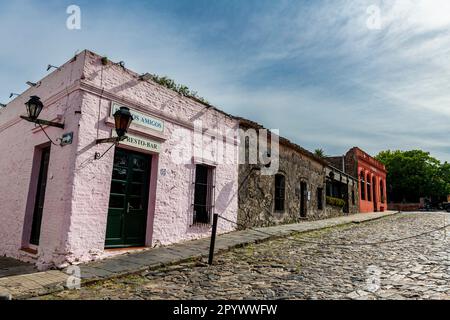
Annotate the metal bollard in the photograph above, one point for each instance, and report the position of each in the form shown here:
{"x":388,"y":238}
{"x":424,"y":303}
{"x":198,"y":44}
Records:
{"x":213,"y":239}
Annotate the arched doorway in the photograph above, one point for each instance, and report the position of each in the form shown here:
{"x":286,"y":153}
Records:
{"x":374,"y":188}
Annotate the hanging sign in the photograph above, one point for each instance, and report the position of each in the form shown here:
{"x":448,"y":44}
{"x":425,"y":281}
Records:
{"x":139,"y":142}
{"x":141,"y":119}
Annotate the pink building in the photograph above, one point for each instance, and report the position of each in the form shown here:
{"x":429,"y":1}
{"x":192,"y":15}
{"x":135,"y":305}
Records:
{"x":60,"y":205}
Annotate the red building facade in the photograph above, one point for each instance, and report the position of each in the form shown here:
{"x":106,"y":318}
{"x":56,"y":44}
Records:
{"x":372,"y":182}
{"x":371,"y":175}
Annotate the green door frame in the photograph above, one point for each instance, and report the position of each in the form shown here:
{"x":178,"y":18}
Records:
{"x":127,"y":224}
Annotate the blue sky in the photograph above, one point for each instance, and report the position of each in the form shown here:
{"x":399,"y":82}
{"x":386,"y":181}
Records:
{"x":312,"y":69}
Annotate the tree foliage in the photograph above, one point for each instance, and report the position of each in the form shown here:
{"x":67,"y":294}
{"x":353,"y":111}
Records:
{"x":320,"y":153}
{"x":181,"y":89}
{"x":414,"y":174}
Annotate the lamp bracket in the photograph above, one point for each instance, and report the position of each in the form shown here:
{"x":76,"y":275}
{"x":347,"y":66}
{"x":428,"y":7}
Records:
{"x":114,"y":141}
{"x":44,"y":122}
{"x":111,"y":140}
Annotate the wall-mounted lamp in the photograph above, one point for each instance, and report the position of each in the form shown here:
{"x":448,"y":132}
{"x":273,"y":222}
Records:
{"x":32,"y":84}
{"x":52,"y":66}
{"x":122,"y":122}
{"x":145,"y":77}
{"x":34,"y":107}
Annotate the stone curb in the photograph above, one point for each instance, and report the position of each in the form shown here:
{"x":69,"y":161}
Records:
{"x":38,"y":284}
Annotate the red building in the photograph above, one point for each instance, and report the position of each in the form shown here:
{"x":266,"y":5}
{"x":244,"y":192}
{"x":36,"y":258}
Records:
{"x":371,"y":175}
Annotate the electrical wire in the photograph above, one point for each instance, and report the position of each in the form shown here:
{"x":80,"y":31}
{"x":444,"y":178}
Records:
{"x":40,"y":126}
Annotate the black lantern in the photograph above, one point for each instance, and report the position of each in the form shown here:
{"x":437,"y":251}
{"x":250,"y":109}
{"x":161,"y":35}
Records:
{"x":34,"y":107}
{"x":122,"y":119}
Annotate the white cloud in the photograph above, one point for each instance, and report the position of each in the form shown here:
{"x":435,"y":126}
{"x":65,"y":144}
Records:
{"x":341,"y":85}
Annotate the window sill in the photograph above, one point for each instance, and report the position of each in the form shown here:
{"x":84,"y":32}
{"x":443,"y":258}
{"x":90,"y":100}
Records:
{"x":201,"y":225}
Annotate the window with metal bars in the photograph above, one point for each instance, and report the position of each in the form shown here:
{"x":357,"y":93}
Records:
{"x":362,"y":190}
{"x":203,"y":194}
{"x":320,"y":198}
{"x":280,"y":186}
{"x":329,"y":188}
{"x":369,"y":193}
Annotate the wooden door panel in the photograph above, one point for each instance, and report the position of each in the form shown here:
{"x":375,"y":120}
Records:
{"x":127,"y":214}
{"x":40,"y":197}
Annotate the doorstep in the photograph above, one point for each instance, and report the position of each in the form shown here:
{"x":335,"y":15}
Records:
{"x":41,"y":283}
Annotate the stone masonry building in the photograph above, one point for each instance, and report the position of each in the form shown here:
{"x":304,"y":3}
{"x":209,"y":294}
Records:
{"x":296,"y":192}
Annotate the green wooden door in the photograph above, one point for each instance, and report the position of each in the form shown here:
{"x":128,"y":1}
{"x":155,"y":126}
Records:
{"x":40,"y":197}
{"x":128,"y":204}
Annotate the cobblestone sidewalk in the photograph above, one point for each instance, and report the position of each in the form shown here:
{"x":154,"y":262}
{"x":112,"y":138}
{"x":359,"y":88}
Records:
{"x":35,"y":284}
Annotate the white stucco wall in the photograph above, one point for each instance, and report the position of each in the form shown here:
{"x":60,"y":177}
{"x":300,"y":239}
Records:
{"x":77,"y":197}
{"x":18,"y":139}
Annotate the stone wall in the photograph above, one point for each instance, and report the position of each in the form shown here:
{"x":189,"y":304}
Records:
{"x":257,"y":191}
{"x":350,"y":163}
{"x":336,"y":161}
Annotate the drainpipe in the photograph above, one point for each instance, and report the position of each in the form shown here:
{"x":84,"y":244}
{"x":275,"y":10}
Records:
{"x":343,"y":164}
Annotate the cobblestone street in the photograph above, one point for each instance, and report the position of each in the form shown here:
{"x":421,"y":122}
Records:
{"x":289,"y":268}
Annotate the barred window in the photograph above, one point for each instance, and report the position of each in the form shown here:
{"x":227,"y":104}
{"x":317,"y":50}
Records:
{"x":280,"y":189}
{"x":203,"y":194}
{"x":329,"y":188}
{"x":320,"y":198}
{"x":363,"y":186}
{"x":369,"y":194}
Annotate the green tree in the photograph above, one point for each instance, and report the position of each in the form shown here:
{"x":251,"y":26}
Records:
{"x":320,"y":153}
{"x":414,"y":174}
